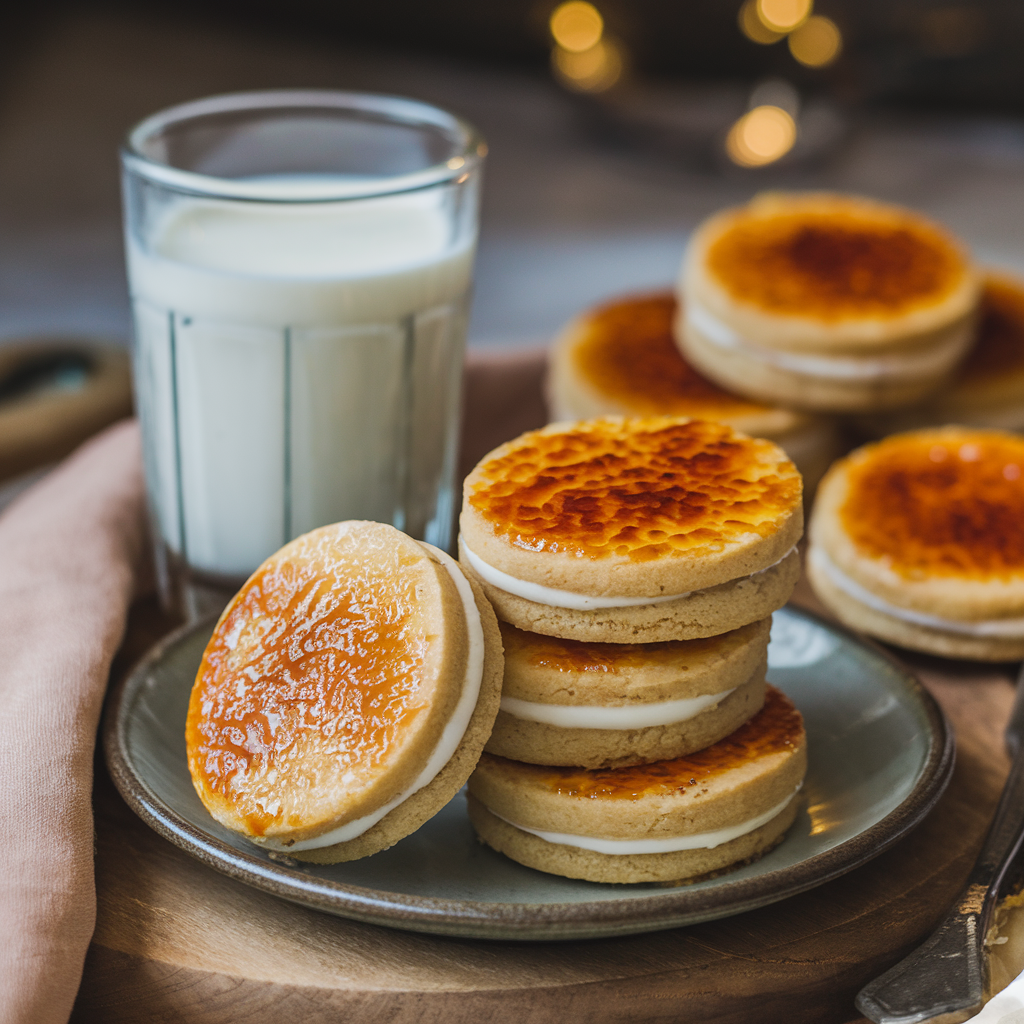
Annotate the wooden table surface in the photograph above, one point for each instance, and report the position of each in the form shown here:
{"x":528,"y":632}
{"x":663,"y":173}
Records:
{"x":175,"y":941}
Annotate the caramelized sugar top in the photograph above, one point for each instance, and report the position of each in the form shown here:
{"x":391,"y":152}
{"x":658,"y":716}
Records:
{"x":1000,"y":345}
{"x":940,"y":504}
{"x":311,"y":679}
{"x":574,"y":656}
{"x":834,"y":266}
{"x":628,"y":353}
{"x":776,"y":728}
{"x":641,"y":489}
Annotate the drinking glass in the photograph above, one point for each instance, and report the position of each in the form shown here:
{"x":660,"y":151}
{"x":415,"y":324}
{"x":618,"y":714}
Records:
{"x":299,"y":265}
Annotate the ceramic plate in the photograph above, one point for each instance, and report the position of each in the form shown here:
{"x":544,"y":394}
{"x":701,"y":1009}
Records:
{"x":880,"y":756}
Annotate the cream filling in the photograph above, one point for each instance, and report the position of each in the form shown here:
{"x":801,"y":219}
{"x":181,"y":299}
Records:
{"x":540,"y":594}
{"x":1011,"y":629}
{"x":450,"y":739}
{"x":592,"y":716}
{"x":936,"y":359}
{"x":671,"y":844}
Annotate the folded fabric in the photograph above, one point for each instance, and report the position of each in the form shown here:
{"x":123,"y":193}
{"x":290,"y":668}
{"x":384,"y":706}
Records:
{"x":70,"y":551}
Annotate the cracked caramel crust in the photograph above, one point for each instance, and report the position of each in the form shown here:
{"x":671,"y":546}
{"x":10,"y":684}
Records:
{"x":834,"y":260}
{"x":633,"y":507}
{"x":939,"y":503}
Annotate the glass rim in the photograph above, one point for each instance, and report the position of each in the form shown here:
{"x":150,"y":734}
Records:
{"x":470,"y":145}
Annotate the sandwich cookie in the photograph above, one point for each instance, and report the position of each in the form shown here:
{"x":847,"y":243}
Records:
{"x":919,"y":540}
{"x":633,"y":530}
{"x":608,"y":705}
{"x":621,"y":358}
{"x":668,"y":821}
{"x":825,"y":302}
{"x":988,"y":388}
{"x":345,"y":695}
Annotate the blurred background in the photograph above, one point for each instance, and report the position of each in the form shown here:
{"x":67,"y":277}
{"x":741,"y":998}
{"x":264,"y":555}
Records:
{"x":614,"y":126}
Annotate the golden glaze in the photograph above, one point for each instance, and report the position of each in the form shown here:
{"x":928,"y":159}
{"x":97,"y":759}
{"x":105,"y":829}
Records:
{"x":833,"y":266}
{"x":776,"y":728}
{"x":313,"y":675}
{"x":641,"y":489}
{"x":628,"y":354}
{"x":940,"y":504}
{"x":574,"y":656}
{"x":1000,"y":345}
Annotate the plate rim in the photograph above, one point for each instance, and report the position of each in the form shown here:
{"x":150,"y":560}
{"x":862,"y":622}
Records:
{"x":524,"y":921}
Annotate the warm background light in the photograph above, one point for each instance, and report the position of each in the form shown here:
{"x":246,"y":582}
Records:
{"x":783,"y":15}
{"x":576,"y":26}
{"x":753,"y":27}
{"x":761,"y":136}
{"x":592,"y":70}
{"x":817,"y":42}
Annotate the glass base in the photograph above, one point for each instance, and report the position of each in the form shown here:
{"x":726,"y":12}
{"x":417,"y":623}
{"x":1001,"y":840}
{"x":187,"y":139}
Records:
{"x":191,"y":593}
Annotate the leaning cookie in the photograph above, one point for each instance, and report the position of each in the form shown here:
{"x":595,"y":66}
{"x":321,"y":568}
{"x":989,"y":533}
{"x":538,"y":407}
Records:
{"x":609,"y":705}
{"x":633,"y":530}
{"x":919,"y":540}
{"x":662,"y":822}
{"x":345,"y":695}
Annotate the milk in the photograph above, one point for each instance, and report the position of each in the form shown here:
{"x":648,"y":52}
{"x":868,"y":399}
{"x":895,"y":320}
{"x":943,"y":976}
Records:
{"x":298,"y":364}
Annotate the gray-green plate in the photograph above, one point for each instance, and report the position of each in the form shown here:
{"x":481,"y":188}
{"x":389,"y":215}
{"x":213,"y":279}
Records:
{"x":880,"y":752}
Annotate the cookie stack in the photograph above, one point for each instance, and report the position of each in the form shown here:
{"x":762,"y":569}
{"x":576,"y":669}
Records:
{"x":634,"y":565}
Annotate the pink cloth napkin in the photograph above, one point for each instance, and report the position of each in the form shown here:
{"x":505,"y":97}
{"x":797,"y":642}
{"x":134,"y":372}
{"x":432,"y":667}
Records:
{"x":70,"y":548}
{"x":72,"y":552}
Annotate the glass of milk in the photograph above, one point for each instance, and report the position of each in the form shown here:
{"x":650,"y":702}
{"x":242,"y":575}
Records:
{"x":299,"y":265}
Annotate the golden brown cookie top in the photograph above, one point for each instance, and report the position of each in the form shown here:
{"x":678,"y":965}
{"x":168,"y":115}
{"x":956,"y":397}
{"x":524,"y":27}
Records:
{"x":1000,"y":345}
{"x":637,"y":489}
{"x":627,"y":352}
{"x":326,"y":683}
{"x":777,"y":728}
{"x":832,"y":258}
{"x":944,"y":502}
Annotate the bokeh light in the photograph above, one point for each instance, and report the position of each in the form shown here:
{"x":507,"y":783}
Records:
{"x":754,"y":28}
{"x":576,"y":26}
{"x":593,"y":70}
{"x":817,"y":42}
{"x":783,"y":15}
{"x":761,"y":136}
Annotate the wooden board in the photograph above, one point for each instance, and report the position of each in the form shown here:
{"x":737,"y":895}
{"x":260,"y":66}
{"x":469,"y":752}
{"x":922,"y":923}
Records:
{"x":175,"y":941}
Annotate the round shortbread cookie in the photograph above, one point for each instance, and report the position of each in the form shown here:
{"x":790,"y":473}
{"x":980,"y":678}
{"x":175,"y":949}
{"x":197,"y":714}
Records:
{"x":348,"y":688}
{"x":540,"y":743}
{"x":621,"y":358}
{"x":681,"y":866}
{"x":603,"y":705}
{"x":826,"y":302}
{"x":919,"y":539}
{"x":700,"y":614}
{"x":698,"y":803}
{"x":613,"y":512}
{"x":551,"y":670}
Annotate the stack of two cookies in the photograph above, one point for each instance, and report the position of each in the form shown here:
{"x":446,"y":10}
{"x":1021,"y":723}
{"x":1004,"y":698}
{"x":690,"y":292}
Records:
{"x":634,"y":566}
